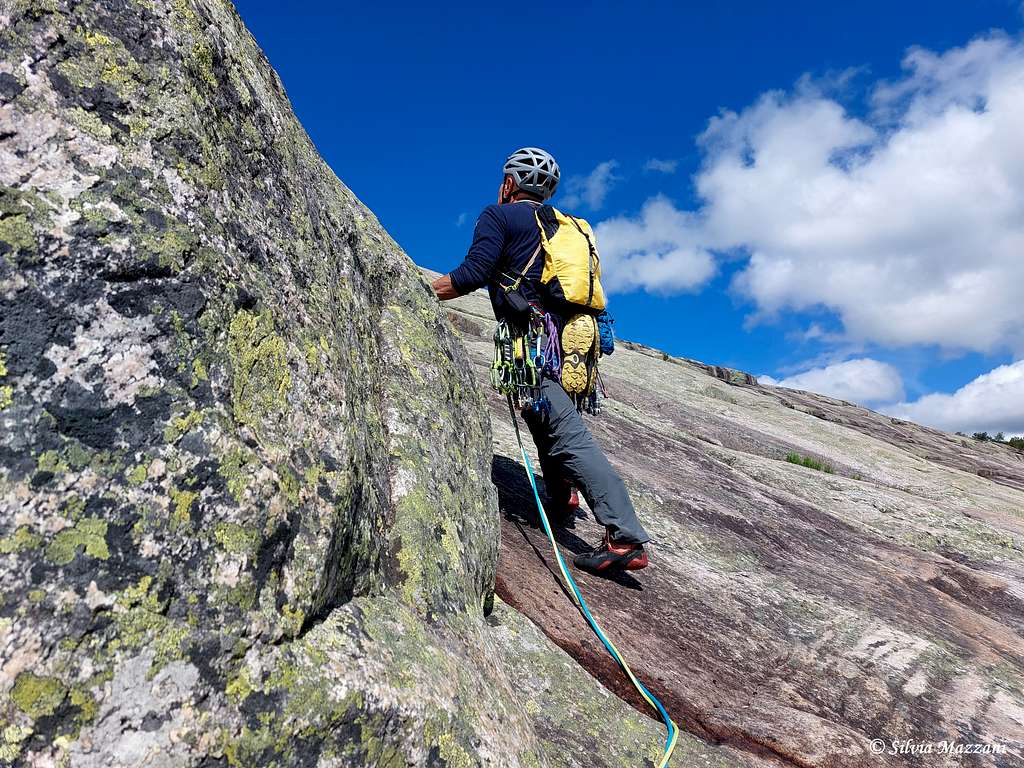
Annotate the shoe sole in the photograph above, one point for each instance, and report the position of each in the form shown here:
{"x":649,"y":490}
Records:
{"x":577,"y":341}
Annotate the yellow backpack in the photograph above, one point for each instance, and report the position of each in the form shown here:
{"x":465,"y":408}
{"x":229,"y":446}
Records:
{"x":572,"y":266}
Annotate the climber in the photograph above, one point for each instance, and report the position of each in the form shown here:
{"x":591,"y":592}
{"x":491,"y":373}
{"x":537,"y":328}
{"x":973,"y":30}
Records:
{"x":505,"y":240}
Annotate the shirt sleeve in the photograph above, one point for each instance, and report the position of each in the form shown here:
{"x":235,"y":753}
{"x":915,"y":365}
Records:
{"x":479,"y":266}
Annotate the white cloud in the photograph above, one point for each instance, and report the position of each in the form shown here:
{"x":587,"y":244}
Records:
{"x":993,"y":402}
{"x":661,"y":166}
{"x":860,"y":381}
{"x":907,"y":223}
{"x":656,"y":251}
{"x":591,"y":189}
{"x":461,"y":219}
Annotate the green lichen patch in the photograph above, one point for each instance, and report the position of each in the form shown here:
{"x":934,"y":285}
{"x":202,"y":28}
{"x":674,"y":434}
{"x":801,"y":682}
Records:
{"x":290,"y":486}
{"x":13,"y":737}
{"x":37,"y":696}
{"x":6,"y":390}
{"x":430,"y":552}
{"x":90,"y":123}
{"x":239,"y":687}
{"x":89,"y":535}
{"x":74,"y":507}
{"x":86,"y":704}
{"x":137,"y":476}
{"x":51,"y":461}
{"x":233,"y":468}
{"x":182,"y":425}
{"x":171,"y":246}
{"x":261,"y":378}
{"x":199,"y":372}
{"x":141,"y":621}
{"x":16,"y":232}
{"x":181,"y":505}
{"x":237,"y":539}
{"x":104,"y":60}
{"x":440,"y":735}
{"x":22,"y":215}
{"x":22,"y":540}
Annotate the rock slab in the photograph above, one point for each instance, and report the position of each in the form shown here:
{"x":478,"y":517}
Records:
{"x":790,"y":614}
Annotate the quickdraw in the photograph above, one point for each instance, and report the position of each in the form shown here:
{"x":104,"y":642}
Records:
{"x":522,"y":358}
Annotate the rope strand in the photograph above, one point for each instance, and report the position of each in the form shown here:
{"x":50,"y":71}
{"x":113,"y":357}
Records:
{"x":672,"y":731}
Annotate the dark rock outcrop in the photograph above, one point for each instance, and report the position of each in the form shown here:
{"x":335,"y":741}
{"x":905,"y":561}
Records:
{"x":246,"y":515}
{"x":791,"y":614}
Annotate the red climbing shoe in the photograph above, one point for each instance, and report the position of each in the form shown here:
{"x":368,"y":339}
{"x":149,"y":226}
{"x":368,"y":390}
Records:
{"x":613,"y":555}
{"x":573,"y":503}
{"x":563,"y":502}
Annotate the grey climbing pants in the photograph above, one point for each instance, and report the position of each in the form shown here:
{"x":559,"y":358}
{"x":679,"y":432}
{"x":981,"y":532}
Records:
{"x":569,"y":453}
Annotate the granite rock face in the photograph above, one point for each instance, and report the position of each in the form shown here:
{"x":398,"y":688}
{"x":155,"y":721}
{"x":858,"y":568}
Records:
{"x":246,"y":514}
{"x":789,"y":614}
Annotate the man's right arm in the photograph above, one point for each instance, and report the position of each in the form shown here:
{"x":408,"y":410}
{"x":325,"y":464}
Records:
{"x":478,"y":268}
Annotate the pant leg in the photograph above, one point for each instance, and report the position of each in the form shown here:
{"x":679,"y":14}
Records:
{"x":556,"y":484}
{"x":569,"y":445}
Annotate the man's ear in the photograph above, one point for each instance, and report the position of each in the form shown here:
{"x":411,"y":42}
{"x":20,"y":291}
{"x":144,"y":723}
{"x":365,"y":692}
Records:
{"x":508,"y":188}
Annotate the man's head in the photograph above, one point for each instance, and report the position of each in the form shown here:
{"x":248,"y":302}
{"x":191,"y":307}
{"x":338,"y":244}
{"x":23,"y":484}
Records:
{"x":529,"y":172}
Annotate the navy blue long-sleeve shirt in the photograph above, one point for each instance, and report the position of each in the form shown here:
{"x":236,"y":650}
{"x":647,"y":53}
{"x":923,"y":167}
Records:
{"x":504,"y":239}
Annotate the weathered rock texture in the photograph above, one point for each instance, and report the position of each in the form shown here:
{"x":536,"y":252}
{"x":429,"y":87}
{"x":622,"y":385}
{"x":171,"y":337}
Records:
{"x":247,"y":515}
{"x":792,"y":614}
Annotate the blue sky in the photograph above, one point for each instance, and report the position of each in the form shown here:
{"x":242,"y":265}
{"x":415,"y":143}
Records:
{"x":416,"y":107}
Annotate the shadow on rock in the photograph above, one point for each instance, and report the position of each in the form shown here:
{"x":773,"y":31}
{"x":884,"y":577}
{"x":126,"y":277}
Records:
{"x":518,"y":507}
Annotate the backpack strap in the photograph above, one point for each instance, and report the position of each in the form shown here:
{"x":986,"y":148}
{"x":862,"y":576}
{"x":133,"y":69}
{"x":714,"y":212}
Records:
{"x":517,"y":280}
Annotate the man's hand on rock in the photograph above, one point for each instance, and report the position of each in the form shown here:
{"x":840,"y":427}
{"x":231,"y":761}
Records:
{"x":443,"y":288}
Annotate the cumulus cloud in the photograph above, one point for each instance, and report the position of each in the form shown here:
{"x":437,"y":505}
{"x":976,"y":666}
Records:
{"x":655,"y":251}
{"x":907,"y":222}
{"x":592,"y":189}
{"x":993,"y":402}
{"x":661,"y":166}
{"x":909,"y":226}
{"x":862,"y":381}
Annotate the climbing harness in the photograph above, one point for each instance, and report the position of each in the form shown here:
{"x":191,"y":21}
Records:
{"x":672,"y":732}
{"x":522,"y":357}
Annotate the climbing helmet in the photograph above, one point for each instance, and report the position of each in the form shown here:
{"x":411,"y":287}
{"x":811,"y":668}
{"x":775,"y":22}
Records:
{"x":533,"y":170}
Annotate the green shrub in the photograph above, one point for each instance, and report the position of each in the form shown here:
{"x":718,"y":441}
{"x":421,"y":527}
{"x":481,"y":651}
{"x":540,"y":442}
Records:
{"x":810,"y":463}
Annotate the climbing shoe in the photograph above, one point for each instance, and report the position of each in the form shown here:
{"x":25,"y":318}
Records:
{"x":574,"y":500}
{"x":563,"y":502}
{"x":612,"y":555}
{"x":578,"y":339}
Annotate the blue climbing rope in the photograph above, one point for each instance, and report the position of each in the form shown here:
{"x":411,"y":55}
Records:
{"x":671,"y":730}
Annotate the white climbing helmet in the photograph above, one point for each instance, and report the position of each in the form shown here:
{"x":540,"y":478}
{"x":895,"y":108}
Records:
{"x":534,"y":171}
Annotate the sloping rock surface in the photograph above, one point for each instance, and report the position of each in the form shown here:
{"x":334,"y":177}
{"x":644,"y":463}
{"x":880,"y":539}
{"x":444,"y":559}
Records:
{"x":792,"y":614}
{"x":246,"y":514}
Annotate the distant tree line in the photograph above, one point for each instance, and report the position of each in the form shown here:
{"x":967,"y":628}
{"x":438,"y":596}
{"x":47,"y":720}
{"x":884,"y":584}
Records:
{"x":998,"y":437}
